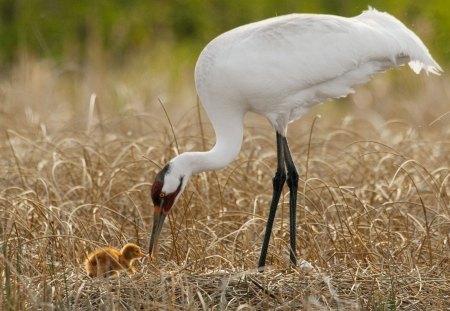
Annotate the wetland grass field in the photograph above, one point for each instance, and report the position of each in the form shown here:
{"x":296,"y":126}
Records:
{"x":76,"y":170}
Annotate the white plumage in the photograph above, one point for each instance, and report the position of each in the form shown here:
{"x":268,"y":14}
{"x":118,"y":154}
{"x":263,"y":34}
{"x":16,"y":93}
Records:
{"x":279,"y":68}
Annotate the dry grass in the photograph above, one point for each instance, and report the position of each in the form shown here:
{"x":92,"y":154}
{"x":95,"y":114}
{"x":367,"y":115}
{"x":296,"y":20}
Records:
{"x":373,"y":219}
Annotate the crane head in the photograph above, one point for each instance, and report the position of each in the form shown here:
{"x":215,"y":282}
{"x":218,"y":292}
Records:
{"x":164,"y":192}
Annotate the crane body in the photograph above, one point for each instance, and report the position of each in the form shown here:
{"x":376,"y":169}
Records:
{"x":279,"y":68}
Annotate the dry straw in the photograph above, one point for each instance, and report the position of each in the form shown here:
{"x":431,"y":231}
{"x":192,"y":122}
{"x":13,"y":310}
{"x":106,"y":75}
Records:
{"x":373,"y":220}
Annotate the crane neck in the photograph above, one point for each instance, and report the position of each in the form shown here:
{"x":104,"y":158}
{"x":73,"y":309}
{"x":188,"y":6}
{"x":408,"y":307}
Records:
{"x":229,"y":135}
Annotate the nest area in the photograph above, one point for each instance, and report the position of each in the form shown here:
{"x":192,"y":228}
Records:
{"x":251,"y":290}
{"x":373,"y":216}
{"x":373,"y":222}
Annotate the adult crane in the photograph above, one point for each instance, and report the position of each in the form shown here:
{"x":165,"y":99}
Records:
{"x":279,"y":68}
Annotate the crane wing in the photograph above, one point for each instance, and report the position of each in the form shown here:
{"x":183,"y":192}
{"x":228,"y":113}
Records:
{"x":281,"y":66}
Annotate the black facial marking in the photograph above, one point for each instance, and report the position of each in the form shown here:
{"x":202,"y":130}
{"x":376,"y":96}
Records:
{"x":158,"y":185}
{"x":156,"y":190}
{"x":164,"y":200}
{"x":170,"y":198}
{"x":160,"y":176}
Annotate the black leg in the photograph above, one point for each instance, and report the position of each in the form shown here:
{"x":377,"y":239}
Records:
{"x":292,"y":182}
{"x":278,"y":182}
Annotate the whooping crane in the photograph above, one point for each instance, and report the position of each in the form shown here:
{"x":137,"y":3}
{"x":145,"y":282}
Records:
{"x":279,"y":68}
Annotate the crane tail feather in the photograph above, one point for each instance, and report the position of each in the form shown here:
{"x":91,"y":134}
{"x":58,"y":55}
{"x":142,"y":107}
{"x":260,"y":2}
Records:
{"x":402,"y":41}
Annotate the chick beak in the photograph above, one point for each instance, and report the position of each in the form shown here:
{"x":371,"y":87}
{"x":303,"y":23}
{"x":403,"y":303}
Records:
{"x":158,"y":222}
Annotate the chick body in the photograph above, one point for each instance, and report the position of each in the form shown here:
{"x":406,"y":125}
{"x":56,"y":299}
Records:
{"x":108,"y":261}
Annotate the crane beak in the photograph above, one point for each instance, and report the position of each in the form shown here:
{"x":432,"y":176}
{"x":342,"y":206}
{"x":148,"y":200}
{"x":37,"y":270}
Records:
{"x":158,"y":222}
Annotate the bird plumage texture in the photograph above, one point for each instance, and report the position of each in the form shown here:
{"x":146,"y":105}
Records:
{"x":109,"y":261}
{"x":279,"y":68}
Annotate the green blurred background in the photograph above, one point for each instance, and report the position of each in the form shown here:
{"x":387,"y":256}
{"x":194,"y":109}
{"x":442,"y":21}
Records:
{"x":55,"y":54}
{"x":70,"y":30}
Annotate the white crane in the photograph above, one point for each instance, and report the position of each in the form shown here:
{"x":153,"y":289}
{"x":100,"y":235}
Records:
{"x":279,"y":68}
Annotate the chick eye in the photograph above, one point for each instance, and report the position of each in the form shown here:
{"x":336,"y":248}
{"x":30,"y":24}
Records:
{"x":162,"y":195}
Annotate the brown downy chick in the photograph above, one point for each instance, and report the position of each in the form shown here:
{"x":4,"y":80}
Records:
{"x":109,"y":261}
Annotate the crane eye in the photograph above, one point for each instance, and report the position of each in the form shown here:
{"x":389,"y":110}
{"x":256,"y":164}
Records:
{"x":162,"y":195}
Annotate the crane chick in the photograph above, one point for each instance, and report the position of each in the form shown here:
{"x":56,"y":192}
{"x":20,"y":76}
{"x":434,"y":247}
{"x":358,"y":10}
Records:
{"x":108,"y":261}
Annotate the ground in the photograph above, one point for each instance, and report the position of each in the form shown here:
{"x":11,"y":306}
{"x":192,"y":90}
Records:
{"x":373,"y":209}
